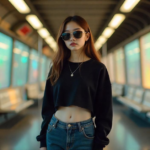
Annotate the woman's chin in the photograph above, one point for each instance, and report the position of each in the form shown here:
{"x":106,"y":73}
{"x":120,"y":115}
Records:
{"x":74,"y":48}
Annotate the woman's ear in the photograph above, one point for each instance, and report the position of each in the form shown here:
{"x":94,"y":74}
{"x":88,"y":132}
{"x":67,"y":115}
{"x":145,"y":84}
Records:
{"x":87,"y":36}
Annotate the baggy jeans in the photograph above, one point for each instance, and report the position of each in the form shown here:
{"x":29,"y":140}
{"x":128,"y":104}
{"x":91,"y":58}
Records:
{"x":70,"y":136}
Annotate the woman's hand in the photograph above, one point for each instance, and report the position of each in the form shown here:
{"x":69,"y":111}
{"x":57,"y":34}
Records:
{"x":43,"y":148}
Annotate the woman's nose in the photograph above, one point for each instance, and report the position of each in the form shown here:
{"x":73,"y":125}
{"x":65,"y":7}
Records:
{"x":72,"y":37}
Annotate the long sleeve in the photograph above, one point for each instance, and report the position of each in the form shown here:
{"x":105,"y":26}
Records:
{"x":47,"y":111}
{"x":103,"y":110}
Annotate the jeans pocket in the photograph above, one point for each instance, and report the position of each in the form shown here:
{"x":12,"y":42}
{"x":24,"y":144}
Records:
{"x":49,"y":128}
{"x":89,"y":131}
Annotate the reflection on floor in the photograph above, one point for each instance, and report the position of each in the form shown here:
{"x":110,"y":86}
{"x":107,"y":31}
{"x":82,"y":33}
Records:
{"x":128,"y":132}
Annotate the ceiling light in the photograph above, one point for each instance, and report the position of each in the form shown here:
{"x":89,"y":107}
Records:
{"x":53,"y":46}
{"x":116,"y":20}
{"x":98,"y":46}
{"x":34,"y":21}
{"x":20,"y":5}
{"x":43,"y":32}
{"x":128,"y":5}
{"x":101,"y":40}
{"x":49,"y":39}
{"x":108,"y":32}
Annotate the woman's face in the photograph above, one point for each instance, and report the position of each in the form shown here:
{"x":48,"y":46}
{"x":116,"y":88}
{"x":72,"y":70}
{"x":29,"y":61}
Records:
{"x":71,"y":27}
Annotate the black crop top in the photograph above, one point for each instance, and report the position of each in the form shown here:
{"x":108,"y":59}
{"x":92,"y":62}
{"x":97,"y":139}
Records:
{"x":89,"y":88}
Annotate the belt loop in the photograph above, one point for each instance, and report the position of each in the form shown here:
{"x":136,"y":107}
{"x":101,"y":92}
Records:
{"x":55,"y":122}
{"x":79,"y":125}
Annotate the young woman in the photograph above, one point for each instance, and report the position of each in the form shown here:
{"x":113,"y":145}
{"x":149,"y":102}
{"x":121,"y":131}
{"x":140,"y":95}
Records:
{"x":78,"y":88}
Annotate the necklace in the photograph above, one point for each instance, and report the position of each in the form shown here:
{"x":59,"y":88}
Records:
{"x":75,"y":70}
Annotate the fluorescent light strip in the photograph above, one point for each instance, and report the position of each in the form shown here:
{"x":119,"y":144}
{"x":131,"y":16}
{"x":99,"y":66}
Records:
{"x":128,"y":5}
{"x":98,"y":46}
{"x":43,"y":32}
{"x":116,"y":20}
{"x":101,"y":40}
{"x":34,"y":21}
{"x":20,"y":5}
{"x":53,"y":45}
{"x":49,"y":40}
{"x":108,"y":32}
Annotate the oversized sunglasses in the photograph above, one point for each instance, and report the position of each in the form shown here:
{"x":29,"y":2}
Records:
{"x":77,"y":34}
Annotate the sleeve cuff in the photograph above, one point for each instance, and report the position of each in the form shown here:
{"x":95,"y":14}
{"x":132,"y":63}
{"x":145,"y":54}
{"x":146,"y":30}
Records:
{"x":43,"y":144}
{"x":97,"y":147}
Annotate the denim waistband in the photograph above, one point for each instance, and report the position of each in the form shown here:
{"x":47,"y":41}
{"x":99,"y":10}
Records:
{"x":73,"y":125}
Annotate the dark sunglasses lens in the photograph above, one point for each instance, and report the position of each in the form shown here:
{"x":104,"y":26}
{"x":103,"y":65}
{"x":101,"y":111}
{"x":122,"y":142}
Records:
{"x":66,"y":36}
{"x":77,"y":34}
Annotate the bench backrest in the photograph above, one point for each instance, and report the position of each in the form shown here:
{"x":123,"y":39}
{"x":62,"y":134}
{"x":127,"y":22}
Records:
{"x":146,"y":99}
{"x":119,"y":89}
{"x":10,"y":97}
{"x":32,"y":90}
{"x":138,"y":97}
{"x":130,"y":92}
{"x":113,"y":85}
{"x":43,"y":86}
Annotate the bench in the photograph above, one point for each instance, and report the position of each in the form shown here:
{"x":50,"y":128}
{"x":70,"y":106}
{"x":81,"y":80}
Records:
{"x":140,"y":101}
{"x":146,"y":102}
{"x":117,"y":89}
{"x":145,"y":107}
{"x":128,"y":97}
{"x":33,"y":91}
{"x":43,"y":85}
{"x":148,"y":115}
{"x":11,"y":101}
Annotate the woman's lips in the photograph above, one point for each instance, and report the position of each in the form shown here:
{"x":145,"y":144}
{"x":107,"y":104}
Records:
{"x":73,"y":44}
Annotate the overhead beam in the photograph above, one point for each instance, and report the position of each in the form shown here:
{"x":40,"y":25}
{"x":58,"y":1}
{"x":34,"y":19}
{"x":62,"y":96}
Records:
{"x":60,"y":2}
{"x":133,"y":37}
{"x":60,"y":11}
{"x":133,"y":23}
{"x":139,"y":19}
{"x":48,"y":17}
{"x":110,"y":17}
{"x":40,"y":17}
{"x":146,"y":2}
{"x":142,"y":11}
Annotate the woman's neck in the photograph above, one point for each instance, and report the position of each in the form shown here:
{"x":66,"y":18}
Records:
{"x":78,"y":59}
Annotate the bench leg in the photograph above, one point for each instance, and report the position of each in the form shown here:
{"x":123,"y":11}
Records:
{"x":5,"y":116}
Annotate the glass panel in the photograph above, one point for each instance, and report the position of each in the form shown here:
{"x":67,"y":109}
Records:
{"x":6,"y":44}
{"x":132,"y":55}
{"x":145,"y":57}
{"x":111,"y":67}
{"x":43,"y":74}
{"x":20,"y":64}
{"x":33,"y":66}
{"x":120,"y":67}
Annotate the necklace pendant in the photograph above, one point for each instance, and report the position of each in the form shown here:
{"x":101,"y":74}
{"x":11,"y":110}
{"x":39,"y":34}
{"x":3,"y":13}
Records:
{"x":72,"y":75}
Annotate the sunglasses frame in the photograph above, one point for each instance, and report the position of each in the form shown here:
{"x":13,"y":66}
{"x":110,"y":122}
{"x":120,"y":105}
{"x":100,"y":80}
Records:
{"x":74,"y":36}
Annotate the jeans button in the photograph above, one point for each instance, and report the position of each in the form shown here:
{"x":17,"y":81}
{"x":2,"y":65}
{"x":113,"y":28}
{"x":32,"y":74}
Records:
{"x":69,"y":125}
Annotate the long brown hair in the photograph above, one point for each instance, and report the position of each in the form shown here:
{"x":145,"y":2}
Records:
{"x":63,"y":53}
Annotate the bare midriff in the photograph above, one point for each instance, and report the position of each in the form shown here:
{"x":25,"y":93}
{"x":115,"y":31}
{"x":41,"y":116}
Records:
{"x":72,"y":114}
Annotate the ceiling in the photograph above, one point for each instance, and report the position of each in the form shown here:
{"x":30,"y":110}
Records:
{"x":97,"y":13}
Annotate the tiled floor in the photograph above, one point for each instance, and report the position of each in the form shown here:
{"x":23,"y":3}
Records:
{"x":128,"y":132}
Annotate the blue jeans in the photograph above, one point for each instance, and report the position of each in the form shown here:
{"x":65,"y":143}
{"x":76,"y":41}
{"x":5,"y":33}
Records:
{"x":70,"y":136}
